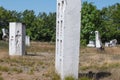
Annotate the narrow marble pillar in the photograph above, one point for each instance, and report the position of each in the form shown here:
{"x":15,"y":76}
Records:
{"x":98,"y":43}
{"x":68,"y":38}
{"x":4,"y":32}
{"x":16,"y":39}
{"x":27,"y":40}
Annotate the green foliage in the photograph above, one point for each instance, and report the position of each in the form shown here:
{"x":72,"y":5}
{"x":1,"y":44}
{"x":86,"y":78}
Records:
{"x":83,"y":42}
{"x":110,"y":22}
{"x":90,"y":21}
{"x":42,"y":27}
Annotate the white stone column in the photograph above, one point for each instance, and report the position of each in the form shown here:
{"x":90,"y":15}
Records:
{"x":98,"y":43}
{"x":68,"y":38}
{"x":27,"y":40}
{"x":4,"y":32}
{"x":16,"y":39}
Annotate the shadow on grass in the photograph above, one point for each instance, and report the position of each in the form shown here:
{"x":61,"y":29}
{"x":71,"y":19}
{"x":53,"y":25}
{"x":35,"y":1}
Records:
{"x":95,"y":76}
{"x":32,"y":54}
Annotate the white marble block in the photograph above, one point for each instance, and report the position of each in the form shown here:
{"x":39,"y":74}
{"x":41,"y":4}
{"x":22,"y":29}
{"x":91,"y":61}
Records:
{"x":91,"y":44}
{"x":107,"y":44}
{"x":98,"y":42}
{"x":27,"y":40}
{"x":16,"y":39}
{"x":68,"y":38}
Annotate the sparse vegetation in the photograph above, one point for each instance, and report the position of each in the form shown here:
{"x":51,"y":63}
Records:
{"x":1,"y":78}
{"x":56,"y":77}
{"x":4,"y":68}
{"x":4,"y":45}
{"x":17,"y":70}
{"x":31,"y":71}
{"x":39,"y":64}
{"x":69,"y":78}
{"x":85,"y":78}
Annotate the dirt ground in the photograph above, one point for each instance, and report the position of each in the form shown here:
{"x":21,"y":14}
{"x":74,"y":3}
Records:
{"x":38,"y":64}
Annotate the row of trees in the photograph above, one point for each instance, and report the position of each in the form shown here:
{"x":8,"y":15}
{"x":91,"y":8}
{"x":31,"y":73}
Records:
{"x":42,"y":27}
{"x":106,"y":21}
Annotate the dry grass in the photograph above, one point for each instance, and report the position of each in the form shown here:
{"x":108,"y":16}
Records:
{"x":96,"y":62}
{"x":38,"y":64}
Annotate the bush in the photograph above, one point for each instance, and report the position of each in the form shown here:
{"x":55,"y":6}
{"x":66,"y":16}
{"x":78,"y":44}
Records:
{"x":83,"y":42}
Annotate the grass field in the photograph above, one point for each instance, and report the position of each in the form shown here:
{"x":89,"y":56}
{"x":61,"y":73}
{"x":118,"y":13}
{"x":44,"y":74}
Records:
{"x":38,"y":64}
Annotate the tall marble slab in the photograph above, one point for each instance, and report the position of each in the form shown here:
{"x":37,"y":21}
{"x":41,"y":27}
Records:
{"x":27,"y":40}
{"x":98,"y":43}
{"x":4,"y":32}
{"x":16,"y":39}
{"x":68,"y":37}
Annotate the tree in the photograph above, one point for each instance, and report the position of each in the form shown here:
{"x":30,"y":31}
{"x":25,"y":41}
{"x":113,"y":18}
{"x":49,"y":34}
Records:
{"x":46,"y":24}
{"x":28,"y":17}
{"x":90,"y":21}
{"x":110,"y":23}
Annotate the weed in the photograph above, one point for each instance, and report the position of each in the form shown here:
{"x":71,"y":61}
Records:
{"x":84,"y":67}
{"x":17,"y":70}
{"x":56,"y":76}
{"x":31,"y":71}
{"x":114,"y":65}
{"x":85,"y":78}
{"x":1,"y":78}
{"x":43,"y":67}
{"x":69,"y":78}
{"x":4,"y":45}
{"x":5,"y":69}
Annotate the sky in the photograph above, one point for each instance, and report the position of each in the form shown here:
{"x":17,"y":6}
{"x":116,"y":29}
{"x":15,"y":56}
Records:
{"x":46,"y":5}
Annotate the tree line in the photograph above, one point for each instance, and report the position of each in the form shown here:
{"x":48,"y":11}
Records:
{"x":106,"y":21}
{"x":42,"y":27}
{"x":39,"y":27}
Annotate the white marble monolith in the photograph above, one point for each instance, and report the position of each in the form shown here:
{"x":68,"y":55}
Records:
{"x":27,"y":40}
{"x":68,"y":38}
{"x":16,"y":39}
{"x":98,"y":42}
